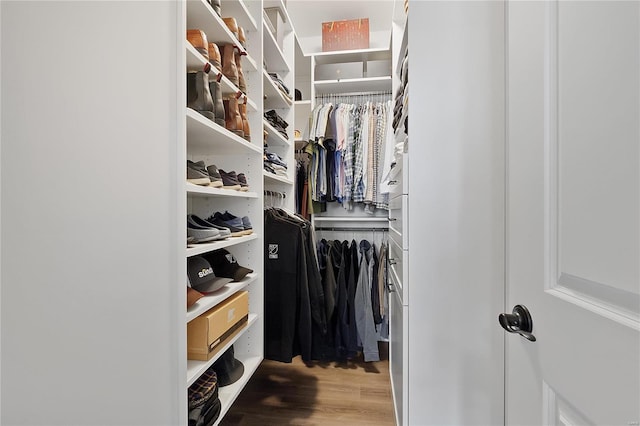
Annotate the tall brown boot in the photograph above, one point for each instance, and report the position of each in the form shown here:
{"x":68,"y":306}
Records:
{"x":232,"y":24}
{"x":242,"y":85}
{"x":229,"y":68}
{"x":232,"y":119}
{"x":245,"y":122}
{"x":214,"y":85}
{"x":242,"y":38}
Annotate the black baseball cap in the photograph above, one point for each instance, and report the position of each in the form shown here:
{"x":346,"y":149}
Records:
{"x":225,"y":265}
{"x":202,"y":276}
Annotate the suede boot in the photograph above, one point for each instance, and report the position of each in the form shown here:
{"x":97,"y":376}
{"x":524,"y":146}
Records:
{"x":242,"y":38}
{"x":198,"y":39}
{"x":214,"y":85}
{"x":198,"y":94}
{"x":232,"y":119}
{"x":229,"y":68}
{"x":232,"y":24}
{"x":242,"y":85}
{"x":245,"y":122}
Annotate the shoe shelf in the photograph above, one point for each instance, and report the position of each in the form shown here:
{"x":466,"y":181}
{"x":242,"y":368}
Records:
{"x":238,"y":10}
{"x":196,"y":62}
{"x":203,"y":136}
{"x":196,"y":249}
{"x":195,"y":368}
{"x":209,"y":301}
{"x":276,"y":179}
{"x":273,"y":97}
{"x":200,"y":15}
{"x":276,"y":61}
{"x":367,"y":84}
{"x":275,"y":138}
{"x":208,"y":191}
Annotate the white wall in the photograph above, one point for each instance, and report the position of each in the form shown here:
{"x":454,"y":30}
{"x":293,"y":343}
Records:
{"x":89,"y":295}
{"x":456,"y":204}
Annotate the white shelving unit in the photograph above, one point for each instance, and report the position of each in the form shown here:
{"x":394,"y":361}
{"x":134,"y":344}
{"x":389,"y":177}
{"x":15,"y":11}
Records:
{"x":213,"y":144}
{"x":353,"y":85}
{"x":278,"y":47}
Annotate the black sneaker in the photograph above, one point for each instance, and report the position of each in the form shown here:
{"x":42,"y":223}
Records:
{"x":234,"y":226}
{"x":197,"y":173}
{"x":230,"y":180}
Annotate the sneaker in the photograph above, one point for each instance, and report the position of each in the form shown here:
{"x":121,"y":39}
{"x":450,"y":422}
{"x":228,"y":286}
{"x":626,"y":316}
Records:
{"x":215,"y":180}
{"x":230,"y":180}
{"x":197,"y":173}
{"x":246,"y":223}
{"x":244,"y":186}
{"x":202,"y":234}
{"x":234,"y":226}
{"x":201,"y":223}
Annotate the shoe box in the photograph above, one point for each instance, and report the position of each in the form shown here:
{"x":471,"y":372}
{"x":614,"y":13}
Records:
{"x":207,"y":333}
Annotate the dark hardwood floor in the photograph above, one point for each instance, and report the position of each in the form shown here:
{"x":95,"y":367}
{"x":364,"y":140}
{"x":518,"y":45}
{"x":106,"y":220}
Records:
{"x":350,"y":393}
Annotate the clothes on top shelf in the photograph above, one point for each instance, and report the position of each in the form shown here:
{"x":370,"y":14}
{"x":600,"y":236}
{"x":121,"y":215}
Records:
{"x":325,"y":301}
{"x":348,"y":149}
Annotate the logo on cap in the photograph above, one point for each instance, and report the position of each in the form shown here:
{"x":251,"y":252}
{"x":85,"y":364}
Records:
{"x":273,"y":251}
{"x":205,"y":271}
{"x":230,"y":258}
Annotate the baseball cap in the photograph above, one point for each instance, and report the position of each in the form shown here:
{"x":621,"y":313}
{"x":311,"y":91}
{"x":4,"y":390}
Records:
{"x":225,"y":265}
{"x":202,"y":276}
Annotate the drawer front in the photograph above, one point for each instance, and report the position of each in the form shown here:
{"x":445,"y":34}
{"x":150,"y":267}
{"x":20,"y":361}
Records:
{"x":396,"y":261}
{"x":398,"y":357}
{"x":398,"y":209}
{"x":396,"y":285}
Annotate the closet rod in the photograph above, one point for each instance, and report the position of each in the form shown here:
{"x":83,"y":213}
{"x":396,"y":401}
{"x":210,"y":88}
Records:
{"x":352,"y":229}
{"x":384,"y":92}
{"x":350,"y":219}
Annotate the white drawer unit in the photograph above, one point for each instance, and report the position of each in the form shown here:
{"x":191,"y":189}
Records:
{"x":398,"y":356}
{"x":397,"y":220}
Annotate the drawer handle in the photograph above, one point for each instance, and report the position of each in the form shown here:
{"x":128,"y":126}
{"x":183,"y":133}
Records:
{"x":393,"y":182}
{"x":391,"y":219}
{"x":392,"y":262}
{"x":391,"y":288}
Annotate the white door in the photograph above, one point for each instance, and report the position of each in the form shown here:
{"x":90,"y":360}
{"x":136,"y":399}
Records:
{"x":573,"y":231}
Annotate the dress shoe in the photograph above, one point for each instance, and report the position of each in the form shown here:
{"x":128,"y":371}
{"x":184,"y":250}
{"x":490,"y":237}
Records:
{"x":217,"y":6}
{"x":242,"y":85}
{"x":232,"y":119}
{"x":198,"y":39}
{"x":229,"y":68}
{"x":232,"y":25}
{"x":245,"y":122}
{"x":198,"y":94}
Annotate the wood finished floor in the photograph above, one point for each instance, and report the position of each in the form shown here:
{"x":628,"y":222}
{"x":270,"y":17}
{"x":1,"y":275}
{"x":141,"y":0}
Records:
{"x":323,"y":394}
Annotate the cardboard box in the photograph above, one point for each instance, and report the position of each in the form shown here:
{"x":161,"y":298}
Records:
{"x":345,"y":35}
{"x":207,"y":333}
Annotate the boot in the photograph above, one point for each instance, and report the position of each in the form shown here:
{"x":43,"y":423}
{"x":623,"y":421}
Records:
{"x":242,"y":38}
{"x":218,"y":106}
{"x":198,"y":39}
{"x":245,"y":121}
{"x":229,"y":68}
{"x":232,"y":119}
{"x":232,"y":25}
{"x":214,"y":56}
{"x":217,"y":6}
{"x":198,"y":95}
{"x":242,"y":85}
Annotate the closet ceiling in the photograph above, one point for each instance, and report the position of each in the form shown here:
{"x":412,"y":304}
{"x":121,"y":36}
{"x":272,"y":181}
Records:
{"x":308,"y":15}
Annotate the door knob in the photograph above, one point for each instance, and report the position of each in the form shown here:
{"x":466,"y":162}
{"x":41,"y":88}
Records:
{"x":519,"y":321}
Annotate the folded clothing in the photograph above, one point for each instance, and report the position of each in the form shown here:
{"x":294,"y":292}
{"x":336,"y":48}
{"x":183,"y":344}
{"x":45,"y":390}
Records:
{"x":278,"y":81}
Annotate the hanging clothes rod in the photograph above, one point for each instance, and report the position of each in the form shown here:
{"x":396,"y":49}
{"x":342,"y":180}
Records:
{"x":323,"y":228}
{"x":349,"y":219}
{"x":337,"y":95}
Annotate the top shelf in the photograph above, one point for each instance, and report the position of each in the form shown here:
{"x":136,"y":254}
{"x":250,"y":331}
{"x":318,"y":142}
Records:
{"x":360,"y":55}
